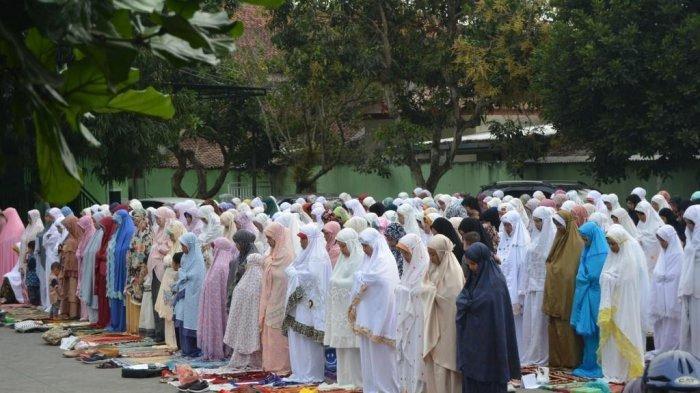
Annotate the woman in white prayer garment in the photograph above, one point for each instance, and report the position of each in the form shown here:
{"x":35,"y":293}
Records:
{"x":621,"y":340}
{"x":665,"y":306}
{"x":308,"y":279}
{"x":535,"y":340}
{"x":372,"y":314}
{"x":512,"y":250}
{"x":649,"y":223}
{"x":407,"y":218}
{"x":339,"y":334}
{"x":410,"y":323}
{"x":689,"y":285}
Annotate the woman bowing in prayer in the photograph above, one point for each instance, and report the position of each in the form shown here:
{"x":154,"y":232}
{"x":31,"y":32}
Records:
{"x":212,"y":318}
{"x":535,"y":342}
{"x":559,"y":285}
{"x":512,"y":250}
{"x":619,"y":319}
{"x":308,"y":279}
{"x":665,"y":308}
{"x":372,"y":314}
{"x":649,"y":223}
{"x":242,"y":332}
{"x":584,"y":313}
{"x":689,"y":284}
{"x":339,"y":334}
{"x":485,"y":320}
{"x":441,"y":286}
{"x":410,"y":314}
{"x":116,"y":273}
{"x":275,"y":347}
{"x":189,"y":284}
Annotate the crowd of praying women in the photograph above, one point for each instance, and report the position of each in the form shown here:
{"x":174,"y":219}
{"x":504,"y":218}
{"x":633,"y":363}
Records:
{"x":420,"y":293}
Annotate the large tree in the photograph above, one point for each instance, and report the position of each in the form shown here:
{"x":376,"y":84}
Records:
{"x":63,"y":59}
{"x":621,"y":78}
{"x":313,"y":114}
{"x":441,"y":65}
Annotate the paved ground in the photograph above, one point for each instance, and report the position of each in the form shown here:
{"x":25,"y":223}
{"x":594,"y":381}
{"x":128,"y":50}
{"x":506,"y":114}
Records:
{"x":27,"y":365}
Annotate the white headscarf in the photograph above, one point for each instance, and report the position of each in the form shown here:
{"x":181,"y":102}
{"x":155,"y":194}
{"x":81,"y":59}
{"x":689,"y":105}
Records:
{"x":539,"y":195}
{"x":344,"y":271}
{"x":356,"y":208}
{"x":493,"y":202}
{"x":574,"y":197}
{"x":356,"y":223}
{"x":539,"y":248}
{"x":369,"y":201}
{"x":568,"y":206}
{"x":30,"y":233}
{"x":410,"y":225}
{"x":626,"y":221}
{"x":390,"y":216}
{"x":291,"y":222}
{"x":518,"y":205}
{"x":409,"y":302}
{"x":344,"y":196}
{"x":375,"y":314}
{"x":498,"y":194}
{"x":317,"y":210}
{"x":647,"y":229}
{"x":621,"y":299}
{"x":597,"y":201}
{"x":285,"y":206}
{"x":213,"y":229}
{"x":512,"y":251}
{"x":640,"y":192}
{"x":135,"y":204}
{"x":311,"y":270}
{"x":403,"y":195}
{"x":664,"y":284}
{"x":660,"y":201}
{"x":689,"y":282}
{"x":612,"y":200}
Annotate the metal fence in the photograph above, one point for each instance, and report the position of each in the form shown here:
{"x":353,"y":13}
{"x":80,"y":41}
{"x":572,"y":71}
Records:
{"x":245,"y":190}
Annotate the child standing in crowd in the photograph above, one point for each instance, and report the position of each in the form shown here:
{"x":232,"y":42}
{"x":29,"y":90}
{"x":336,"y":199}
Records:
{"x":55,"y":289}
{"x":31,"y":279}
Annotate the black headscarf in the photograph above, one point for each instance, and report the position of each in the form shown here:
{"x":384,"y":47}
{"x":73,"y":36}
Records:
{"x":485,"y":320}
{"x":378,"y":209}
{"x":474,"y":225}
{"x":444,"y":227}
{"x":635,"y":199}
{"x":246,"y":240}
{"x":491,"y":215}
{"x":673,"y":221}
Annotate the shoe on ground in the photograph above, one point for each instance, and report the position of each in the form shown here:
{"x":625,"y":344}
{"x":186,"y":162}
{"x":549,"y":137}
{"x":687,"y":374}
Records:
{"x":199,"y":387}
{"x":183,"y":387}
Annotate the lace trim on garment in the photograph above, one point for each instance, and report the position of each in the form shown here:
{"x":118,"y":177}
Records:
{"x":290,"y":323}
{"x":627,"y":349}
{"x":363,"y":331}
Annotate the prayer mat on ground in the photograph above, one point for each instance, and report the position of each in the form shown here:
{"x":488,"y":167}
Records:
{"x":128,"y":361}
{"x":109,"y":338}
{"x":23,"y":312}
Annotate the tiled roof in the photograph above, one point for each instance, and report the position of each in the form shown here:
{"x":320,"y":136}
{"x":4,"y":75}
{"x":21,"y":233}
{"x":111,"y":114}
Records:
{"x":206,"y":152}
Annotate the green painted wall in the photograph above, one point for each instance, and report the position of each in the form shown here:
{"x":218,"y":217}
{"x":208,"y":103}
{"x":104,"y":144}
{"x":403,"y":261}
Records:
{"x":464,"y":177}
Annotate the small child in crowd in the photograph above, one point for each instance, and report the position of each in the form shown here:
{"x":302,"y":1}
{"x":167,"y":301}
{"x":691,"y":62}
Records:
{"x":55,"y":289}
{"x":31,"y":280}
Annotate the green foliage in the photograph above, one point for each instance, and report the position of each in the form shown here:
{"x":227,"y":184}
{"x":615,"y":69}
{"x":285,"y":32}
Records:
{"x":62,"y":59}
{"x":621,"y":78}
{"x":439,"y":65}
